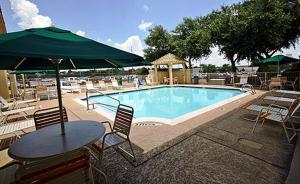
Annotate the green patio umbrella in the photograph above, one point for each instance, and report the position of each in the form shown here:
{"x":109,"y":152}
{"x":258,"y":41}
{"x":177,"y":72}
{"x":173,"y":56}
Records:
{"x":31,"y":71}
{"x":52,"y":48}
{"x":278,"y":60}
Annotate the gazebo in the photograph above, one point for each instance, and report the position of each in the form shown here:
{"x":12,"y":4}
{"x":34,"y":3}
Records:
{"x":169,"y":60}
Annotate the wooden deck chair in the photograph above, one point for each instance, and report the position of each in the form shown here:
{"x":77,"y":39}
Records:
{"x":50,"y":116}
{"x":279,"y":114}
{"x":73,"y":167}
{"x":119,"y":132}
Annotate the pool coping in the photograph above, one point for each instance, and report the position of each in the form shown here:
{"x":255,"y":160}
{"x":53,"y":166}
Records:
{"x":174,"y":121}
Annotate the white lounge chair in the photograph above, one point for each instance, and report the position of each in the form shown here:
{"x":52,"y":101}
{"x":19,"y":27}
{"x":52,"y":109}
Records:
{"x":13,"y":103}
{"x":115,"y":84}
{"x":21,"y":111}
{"x":279,"y":114}
{"x":243,"y":81}
{"x":102,"y":85}
{"x":90,"y":87}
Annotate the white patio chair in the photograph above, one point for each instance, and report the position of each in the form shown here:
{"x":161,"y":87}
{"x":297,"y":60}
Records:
{"x":279,"y":114}
{"x":115,"y":84}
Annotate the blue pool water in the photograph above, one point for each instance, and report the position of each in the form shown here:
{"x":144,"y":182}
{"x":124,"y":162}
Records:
{"x":168,"y":102}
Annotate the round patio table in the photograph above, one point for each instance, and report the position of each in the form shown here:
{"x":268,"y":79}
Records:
{"x":48,"y":141}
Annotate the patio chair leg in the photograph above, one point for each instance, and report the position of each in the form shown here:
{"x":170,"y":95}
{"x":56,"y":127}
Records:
{"x":286,"y":132}
{"x":256,"y":122}
{"x":131,"y":150}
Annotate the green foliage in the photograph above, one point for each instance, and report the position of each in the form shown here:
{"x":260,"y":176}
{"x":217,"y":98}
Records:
{"x":225,"y":68}
{"x":208,"y":68}
{"x":142,"y":71}
{"x":191,"y":40}
{"x":251,"y":30}
{"x":158,"y":42}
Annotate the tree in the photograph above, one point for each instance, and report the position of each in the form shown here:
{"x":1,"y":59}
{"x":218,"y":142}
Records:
{"x":208,"y":68}
{"x":254,"y":29}
{"x":142,"y":71}
{"x":225,"y":68}
{"x":190,"y":40}
{"x":158,"y":42}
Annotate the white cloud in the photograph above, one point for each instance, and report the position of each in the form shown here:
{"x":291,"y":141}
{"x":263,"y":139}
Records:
{"x":133,"y":44}
{"x":146,"y":8}
{"x":293,"y":52}
{"x":109,"y":40}
{"x":80,"y":33}
{"x":28,"y":15}
{"x":143,"y":26}
{"x":217,"y":59}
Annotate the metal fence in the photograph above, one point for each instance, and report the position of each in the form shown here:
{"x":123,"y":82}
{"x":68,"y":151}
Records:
{"x":254,"y":80}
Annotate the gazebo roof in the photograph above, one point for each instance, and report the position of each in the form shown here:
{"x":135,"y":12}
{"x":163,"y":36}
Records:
{"x":169,"y":59}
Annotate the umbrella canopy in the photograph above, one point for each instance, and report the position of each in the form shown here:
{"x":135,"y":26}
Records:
{"x":53,"y":48}
{"x":278,"y":59}
{"x":31,"y":49}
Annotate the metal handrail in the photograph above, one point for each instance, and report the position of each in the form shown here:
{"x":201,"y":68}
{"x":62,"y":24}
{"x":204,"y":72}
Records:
{"x":93,"y":104}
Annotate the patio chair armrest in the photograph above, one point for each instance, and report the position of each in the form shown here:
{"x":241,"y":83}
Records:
{"x":107,"y":122}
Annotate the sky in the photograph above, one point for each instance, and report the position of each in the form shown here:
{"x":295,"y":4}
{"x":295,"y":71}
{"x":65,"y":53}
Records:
{"x":120,"y":23}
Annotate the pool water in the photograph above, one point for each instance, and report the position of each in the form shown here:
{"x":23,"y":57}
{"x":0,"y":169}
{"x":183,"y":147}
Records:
{"x":168,"y":102}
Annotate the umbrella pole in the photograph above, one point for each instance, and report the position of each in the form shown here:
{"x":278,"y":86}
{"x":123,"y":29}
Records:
{"x":59,"y":97}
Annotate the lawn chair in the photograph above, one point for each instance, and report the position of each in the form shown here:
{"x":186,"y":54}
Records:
{"x":166,"y":80}
{"x":175,"y":80}
{"x":13,"y":103}
{"x":75,"y":88}
{"x":291,"y":84}
{"x":279,"y":114}
{"x":90,"y":87}
{"x":74,"y":167}
{"x":275,"y":83}
{"x":102,"y":85}
{"x":243,"y":81}
{"x":119,"y":132}
{"x":21,"y":111}
{"x":50,"y":116}
{"x":115,"y":84}
{"x":263,"y":83}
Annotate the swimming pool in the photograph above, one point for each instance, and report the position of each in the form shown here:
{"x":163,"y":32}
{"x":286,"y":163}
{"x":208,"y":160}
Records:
{"x":167,"y":103}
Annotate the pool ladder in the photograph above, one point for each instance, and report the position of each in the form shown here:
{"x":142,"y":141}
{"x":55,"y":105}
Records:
{"x":110,"y":107}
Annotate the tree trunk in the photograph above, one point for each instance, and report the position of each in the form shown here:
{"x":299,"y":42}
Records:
{"x":233,"y":67}
{"x":190,"y":62}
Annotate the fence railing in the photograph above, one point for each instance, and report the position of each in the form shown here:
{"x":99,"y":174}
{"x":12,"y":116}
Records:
{"x":254,"y":79}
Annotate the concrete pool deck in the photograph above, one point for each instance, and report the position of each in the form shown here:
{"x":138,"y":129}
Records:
{"x":217,"y":147}
{"x":146,"y":137}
